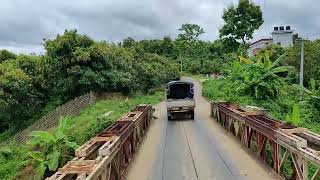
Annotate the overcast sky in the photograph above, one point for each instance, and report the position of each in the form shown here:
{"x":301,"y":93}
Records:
{"x":24,"y":23}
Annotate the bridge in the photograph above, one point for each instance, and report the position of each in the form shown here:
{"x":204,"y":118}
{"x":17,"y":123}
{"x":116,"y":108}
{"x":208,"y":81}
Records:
{"x":236,"y":143}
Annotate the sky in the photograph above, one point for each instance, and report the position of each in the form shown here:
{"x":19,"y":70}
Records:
{"x":24,"y":23}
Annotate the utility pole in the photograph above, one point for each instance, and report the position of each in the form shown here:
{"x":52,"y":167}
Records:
{"x":301,"y":63}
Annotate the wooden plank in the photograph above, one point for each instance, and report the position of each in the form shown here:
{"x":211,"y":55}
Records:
{"x":311,"y":137}
{"x":131,"y":116}
{"x":86,"y":148}
{"x":293,"y":140}
{"x":101,"y":166}
{"x":294,"y":130}
{"x":90,"y":146}
{"x":109,"y":147}
{"x":77,"y":169}
{"x":81,"y":162}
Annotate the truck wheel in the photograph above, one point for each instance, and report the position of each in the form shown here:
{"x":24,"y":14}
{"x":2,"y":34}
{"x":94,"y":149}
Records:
{"x":169,"y":118}
{"x":192,"y":114}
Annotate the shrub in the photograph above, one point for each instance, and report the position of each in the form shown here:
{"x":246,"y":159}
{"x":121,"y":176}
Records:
{"x":48,"y":150}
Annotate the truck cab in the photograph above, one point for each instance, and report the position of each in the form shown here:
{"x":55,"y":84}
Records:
{"x":180,"y":99}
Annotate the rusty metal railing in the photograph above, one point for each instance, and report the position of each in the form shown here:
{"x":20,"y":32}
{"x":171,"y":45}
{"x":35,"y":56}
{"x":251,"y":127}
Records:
{"x":106,"y":156}
{"x":292,"y":152}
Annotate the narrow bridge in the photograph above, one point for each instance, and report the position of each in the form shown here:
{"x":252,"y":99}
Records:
{"x":235,"y":144}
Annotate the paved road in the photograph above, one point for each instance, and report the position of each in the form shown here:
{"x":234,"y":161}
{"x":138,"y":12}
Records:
{"x":192,"y":150}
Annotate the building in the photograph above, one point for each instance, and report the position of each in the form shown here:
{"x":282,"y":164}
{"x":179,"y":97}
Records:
{"x":282,"y":36}
{"x":257,"y":45}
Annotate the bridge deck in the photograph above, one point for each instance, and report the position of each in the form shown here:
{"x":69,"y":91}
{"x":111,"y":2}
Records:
{"x":187,"y":149}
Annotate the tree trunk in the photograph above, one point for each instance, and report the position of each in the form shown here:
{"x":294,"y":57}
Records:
{"x":243,"y":40}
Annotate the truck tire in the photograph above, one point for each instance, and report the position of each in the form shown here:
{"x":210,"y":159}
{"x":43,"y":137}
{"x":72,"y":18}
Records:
{"x":192,"y":114}
{"x":169,"y":118}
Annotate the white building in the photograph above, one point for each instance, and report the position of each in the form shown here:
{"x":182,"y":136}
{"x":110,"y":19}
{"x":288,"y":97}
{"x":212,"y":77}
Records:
{"x":282,"y":36}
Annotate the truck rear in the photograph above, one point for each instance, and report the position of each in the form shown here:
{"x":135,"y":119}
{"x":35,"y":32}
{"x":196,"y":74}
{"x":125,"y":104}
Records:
{"x":180,"y":99}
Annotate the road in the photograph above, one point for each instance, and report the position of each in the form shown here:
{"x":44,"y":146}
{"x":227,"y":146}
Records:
{"x":197,"y":149}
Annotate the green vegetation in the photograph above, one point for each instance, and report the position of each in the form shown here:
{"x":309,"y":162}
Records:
{"x":48,"y":150}
{"x":32,"y":85}
{"x":73,"y":65}
{"x":241,"y":21}
{"x":260,"y":82}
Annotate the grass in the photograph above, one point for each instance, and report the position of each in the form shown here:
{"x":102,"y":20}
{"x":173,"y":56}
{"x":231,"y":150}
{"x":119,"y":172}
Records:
{"x":84,"y":126}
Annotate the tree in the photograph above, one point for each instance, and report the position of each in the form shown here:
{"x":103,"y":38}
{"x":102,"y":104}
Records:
{"x":311,"y":59}
{"x":18,"y":96}
{"x":6,"y":55}
{"x":128,"y":42}
{"x":190,"y":32}
{"x":188,"y":39}
{"x":241,"y":21}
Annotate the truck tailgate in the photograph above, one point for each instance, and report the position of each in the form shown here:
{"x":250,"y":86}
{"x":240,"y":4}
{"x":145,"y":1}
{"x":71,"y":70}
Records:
{"x":180,"y":103}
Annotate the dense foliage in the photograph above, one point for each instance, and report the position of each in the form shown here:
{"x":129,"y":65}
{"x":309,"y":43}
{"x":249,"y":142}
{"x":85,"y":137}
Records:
{"x":73,"y":65}
{"x":259,"y":76}
{"x":263,"y":82}
{"x":193,"y":55}
{"x":311,"y":62}
{"x":241,"y":21}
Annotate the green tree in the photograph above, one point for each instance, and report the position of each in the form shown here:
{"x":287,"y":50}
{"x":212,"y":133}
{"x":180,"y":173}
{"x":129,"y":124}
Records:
{"x":128,"y":42}
{"x":6,"y":55}
{"x":17,"y":93}
{"x":311,"y":59}
{"x":188,"y":39}
{"x":241,"y":21}
{"x":190,"y":32}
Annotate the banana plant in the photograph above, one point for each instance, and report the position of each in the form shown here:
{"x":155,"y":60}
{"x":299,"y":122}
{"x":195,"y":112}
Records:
{"x":314,"y":93}
{"x":262,"y":77}
{"x":47,"y":148}
{"x":294,"y":117}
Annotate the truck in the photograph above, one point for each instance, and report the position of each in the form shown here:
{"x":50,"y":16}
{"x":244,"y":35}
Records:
{"x":180,"y":99}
